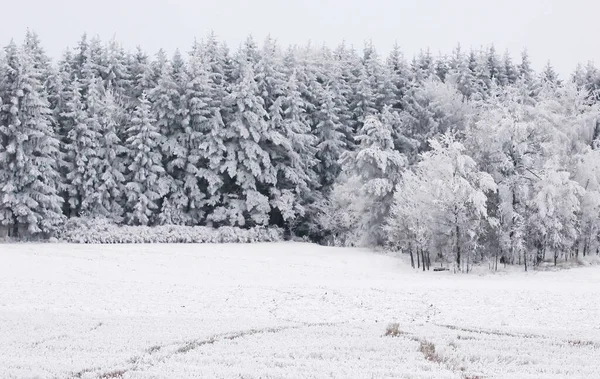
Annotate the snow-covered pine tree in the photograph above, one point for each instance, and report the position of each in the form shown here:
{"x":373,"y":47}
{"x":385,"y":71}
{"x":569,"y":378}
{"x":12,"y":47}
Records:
{"x":461,"y":74}
{"x":399,"y":74}
{"x":482,"y":74}
{"x":169,"y":110}
{"x":41,"y":61}
{"x":380,"y":77}
{"x":86,"y":60}
{"x":331,"y":139}
{"x":344,"y":80}
{"x":110,"y":167}
{"x":525,"y":70}
{"x":146,"y":179}
{"x":549,"y":75}
{"x":363,"y":102}
{"x":200,"y":182}
{"x":510,"y":70}
{"x":308,"y":72}
{"x":378,"y":168}
{"x":422,"y":66}
{"x":293,"y":157}
{"x":29,"y":177}
{"x":115,"y":71}
{"x":247,"y":171}
{"x":269,"y":73}
{"x":434,"y":108}
{"x":80,"y":120}
{"x":60,"y":96}
{"x":142,"y":74}
{"x":217,"y":64}
{"x":495,"y":67}
{"x":442,"y":67}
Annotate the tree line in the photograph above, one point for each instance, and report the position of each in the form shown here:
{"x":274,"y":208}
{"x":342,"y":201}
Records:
{"x":457,"y":157}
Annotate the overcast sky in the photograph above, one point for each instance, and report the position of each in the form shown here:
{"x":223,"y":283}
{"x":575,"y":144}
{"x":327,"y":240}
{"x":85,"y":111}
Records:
{"x":563,"y":31}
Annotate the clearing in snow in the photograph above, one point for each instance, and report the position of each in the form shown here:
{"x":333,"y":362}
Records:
{"x":285,"y":310}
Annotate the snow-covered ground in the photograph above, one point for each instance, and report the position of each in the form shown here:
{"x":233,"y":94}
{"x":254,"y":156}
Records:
{"x":284,"y":310}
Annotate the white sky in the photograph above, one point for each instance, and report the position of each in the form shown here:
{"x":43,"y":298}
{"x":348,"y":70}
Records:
{"x":563,"y":31}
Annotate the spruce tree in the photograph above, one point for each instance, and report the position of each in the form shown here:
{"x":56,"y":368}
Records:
{"x":331,"y":139}
{"x":169,"y":110}
{"x":292,"y":155}
{"x":399,"y":73}
{"x":247,"y":168}
{"x":29,"y":177}
{"x":110,"y":168}
{"x":377,"y":166}
{"x":146,"y":181}
{"x":83,"y":136}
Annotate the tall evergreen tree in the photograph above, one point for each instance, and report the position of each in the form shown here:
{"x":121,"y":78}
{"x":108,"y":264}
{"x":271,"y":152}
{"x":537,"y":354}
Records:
{"x":169,"y":110}
{"x":248,"y":172}
{"x":292,"y":155}
{"x":110,"y":189}
{"x":81,"y":149}
{"x":331,"y":139}
{"x":378,"y":167}
{"x":146,"y":180}
{"x":29,"y":177}
{"x":399,"y":75}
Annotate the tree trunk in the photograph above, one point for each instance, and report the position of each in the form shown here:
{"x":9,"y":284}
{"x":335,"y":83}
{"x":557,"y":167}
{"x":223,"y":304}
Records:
{"x":457,"y":245}
{"x":418,"y":259}
{"x":496,"y":259}
{"x":545,"y":252}
{"x":539,"y":254}
{"x":412,"y":258}
{"x":423,"y":259}
{"x":15,"y":228}
{"x":512,"y":232}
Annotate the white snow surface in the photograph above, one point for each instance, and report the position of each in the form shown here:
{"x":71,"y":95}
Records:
{"x":284,"y":310}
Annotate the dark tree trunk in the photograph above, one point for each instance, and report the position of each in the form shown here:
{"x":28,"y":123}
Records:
{"x":428,"y":260}
{"x":15,"y":228}
{"x":458,"y":246}
{"x":539,"y":255}
{"x":512,"y":232}
{"x":496,"y":259}
{"x":412,"y":258}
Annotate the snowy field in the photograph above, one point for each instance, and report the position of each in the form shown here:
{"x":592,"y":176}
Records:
{"x":285,"y":310}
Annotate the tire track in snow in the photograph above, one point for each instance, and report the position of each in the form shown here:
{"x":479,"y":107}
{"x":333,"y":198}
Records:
{"x":65,"y":336}
{"x":160,"y":353}
{"x":578,"y":343}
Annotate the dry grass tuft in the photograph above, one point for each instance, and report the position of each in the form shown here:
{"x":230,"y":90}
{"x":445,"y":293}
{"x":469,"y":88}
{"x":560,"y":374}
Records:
{"x":428,"y":351}
{"x":393,"y":330}
{"x":113,"y":374}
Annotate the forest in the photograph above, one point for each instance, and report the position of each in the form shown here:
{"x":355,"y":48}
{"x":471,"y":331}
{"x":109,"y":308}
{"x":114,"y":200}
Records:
{"x":458,"y":158}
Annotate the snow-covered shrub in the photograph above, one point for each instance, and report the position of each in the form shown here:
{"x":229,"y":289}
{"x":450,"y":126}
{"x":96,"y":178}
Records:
{"x":103,"y":231}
